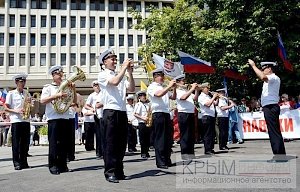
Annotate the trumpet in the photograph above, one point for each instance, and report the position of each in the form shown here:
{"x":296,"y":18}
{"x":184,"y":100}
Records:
{"x":136,"y":64}
{"x":187,"y":86}
{"x":219,"y":95}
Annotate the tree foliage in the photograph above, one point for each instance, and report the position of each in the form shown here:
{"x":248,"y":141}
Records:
{"x":227,"y":33}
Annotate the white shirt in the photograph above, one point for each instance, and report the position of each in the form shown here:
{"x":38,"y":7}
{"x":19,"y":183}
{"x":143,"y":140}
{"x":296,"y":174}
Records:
{"x":202,"y":99}
{"x":142,"y":110}
{"x":186,"y":106}
{"x":114,"y":97}
{"x":158,"y":104}
{"x":16,"y":101}
{"x":87,"y":118}
{"x":220,"y":112}
{"x":270,"y":90}
{"x":48,"y":90}
{"x":99,"y":111}
{"x":129,"y":111}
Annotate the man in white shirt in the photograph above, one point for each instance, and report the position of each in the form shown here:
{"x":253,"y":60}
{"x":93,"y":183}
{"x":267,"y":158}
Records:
{"x":207,"y":106}
{"x":132,"y":136}
{"x":163,"y":128}
{"x":57,"y":131}
{"x":269,"y":102}
{"x":114,"y":86}
{"x":186,"y":119}
{"x":20,"y":127}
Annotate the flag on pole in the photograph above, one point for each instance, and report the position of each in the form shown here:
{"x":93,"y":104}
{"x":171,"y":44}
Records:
{"x":193,"y":64}
{"x":282,"y":54}
{"x":171,"y":69}
{"x":234,"y":74}
{"x":143,"y":86}
{"x":3,"y":96}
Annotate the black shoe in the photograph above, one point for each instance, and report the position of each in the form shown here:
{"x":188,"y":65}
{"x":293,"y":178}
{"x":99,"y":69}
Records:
{"x":18,"y":167}
{"x":112,"y":179}
{"x":130,"y":150}
{"x":123,"y":177}
{"x":209,"y":153}
{"x":144,"y":156}
{"x":162,"y":166}
{"x":64,"y":169}
{"x":25,"y":166}
{"x":134,"y":150}
{"x":147,"y":155}
{"x":54,"y":170}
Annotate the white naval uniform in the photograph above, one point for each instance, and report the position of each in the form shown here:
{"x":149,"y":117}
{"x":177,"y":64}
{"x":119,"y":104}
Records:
{"x":209,"y":111}
{"x":158,"y":104}
{"x":142,"y":110}
{"x":185,"y":106}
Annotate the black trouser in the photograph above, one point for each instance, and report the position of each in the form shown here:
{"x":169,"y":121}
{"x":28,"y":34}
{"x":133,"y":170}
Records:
{"x":99,"y":137}
{"x":163,"y":138}
{"x":186,"y":122}
{"x":89,"y":130}
{"x":20,"y":138}
{"x":144,"y":135}
{"x":71,"y":139}
{"x":132,"y":137}
{"x":271,"y":113}
{"x":57,"y":134}
{"x":223,"y":131}
{"x":209,"y":132}
{"x":115,"y":132}
{"x":200,"y":130}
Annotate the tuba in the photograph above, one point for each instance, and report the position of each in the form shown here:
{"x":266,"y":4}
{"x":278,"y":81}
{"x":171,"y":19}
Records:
{"x":61,"y":105}
{"x":26,"y":106}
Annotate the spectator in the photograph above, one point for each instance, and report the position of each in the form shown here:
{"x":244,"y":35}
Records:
{"x":285,"y":104}
{"x":243,"y":108}
{"x":297,"y":104}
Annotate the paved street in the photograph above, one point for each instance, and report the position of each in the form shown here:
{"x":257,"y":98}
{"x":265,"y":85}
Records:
{"x":87,"y":171}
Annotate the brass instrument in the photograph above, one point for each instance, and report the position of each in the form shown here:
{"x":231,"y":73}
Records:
{"x":219,"y":96}
{"x":149,"y":118}
{"x":26,"y":106}
{"x":61,"y":105}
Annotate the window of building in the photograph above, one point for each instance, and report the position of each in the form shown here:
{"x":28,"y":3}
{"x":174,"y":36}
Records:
{"x":53,"y":39}
{"x":33,"y":4}
{"x":130,"y":40}
{"x":92,"y":40}
{"x":121,"y":40}
{"x":53,"y":21}
{"x":38,"y":4}
{"x":92,"y":59}
{"x":63,"y":40}
{"x":59,"y":4}
{"x":129,"y":23}
{"x":22,"y":39}
{"x":121,"y":22}
{"x":150,"y":5}
{"x":140,"y":40}
{"x":82,"y":59}
{"x":12,"y":21}
{"x":43,"y":39}
{"x":1,"y":38}
{"x":17,"y":4}
{"x":32,"y":39}
{"x":63,"y":21}
{"x":11,"y":61}
{"x":73,"y":59}
{"x":73,"y":22}
{"x":131,"y":55}
{"x":13,"y":4}
{"x":115,"y":5}
{"x":32,"y":20}
{"x":102,"y":22}
{"x":167,"y":4}
{"x":92,"y":22}
{"x":43,"y":21}
{"x":82,"y":40}
{"x":63,"y":59}
{"x":42,"y":59}
{"x":1,"y":59}
{"x":121,"y":57}
{"x":102,"y":40}
{"x":82,"y":22}
{"x":23,"y":21}
{"x":32,"y":59}
{"x":43,"y":4}
{"x":111,"y":40}
{"x":11,"y":39}
{"x":2,"y":20}
{"x":78,"y":4}
{"x":97,"y":5}
{"x":52,"y":59}
{"x":111,"y":23}
{"x":22,"y":59}
{"x":63,"y":4}
{"x":73,"y":39}
{"x":134,"y":5}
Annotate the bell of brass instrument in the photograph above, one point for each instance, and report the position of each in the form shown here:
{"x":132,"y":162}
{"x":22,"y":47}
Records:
{"x":61,"y":105}
{"x":26,"y":106}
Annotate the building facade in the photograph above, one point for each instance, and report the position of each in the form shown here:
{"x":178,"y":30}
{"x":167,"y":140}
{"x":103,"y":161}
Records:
{"x":38,"y":34}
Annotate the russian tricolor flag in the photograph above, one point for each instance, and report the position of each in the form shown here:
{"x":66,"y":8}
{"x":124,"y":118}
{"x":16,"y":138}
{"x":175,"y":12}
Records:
{"x":3,"y":96}
{"x":282,"y":54}
{"x":234,"y":74}
{"x":193,"y":64}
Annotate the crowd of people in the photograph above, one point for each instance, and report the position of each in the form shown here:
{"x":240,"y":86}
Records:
{"x":112,"y":121}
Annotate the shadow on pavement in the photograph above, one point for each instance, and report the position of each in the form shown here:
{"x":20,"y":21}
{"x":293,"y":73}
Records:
{"x":151,"y":173}
{"x":87,"y":168}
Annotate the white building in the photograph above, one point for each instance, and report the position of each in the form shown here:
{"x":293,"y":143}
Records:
{"x":37,"y":34}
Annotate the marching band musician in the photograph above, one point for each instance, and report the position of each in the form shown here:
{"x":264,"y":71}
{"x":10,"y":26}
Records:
{"x":57,"y":133}
{"x":99,"y":126}
{"x":114,"y":86}
{"x":223,"y":119}
{"x":207,"y":106}
{"x":20,"y":128}
{"x":141,"y":111}
{"x":186,"y":108}
{"x":132,"y":137}
{"x":163,"y":128}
